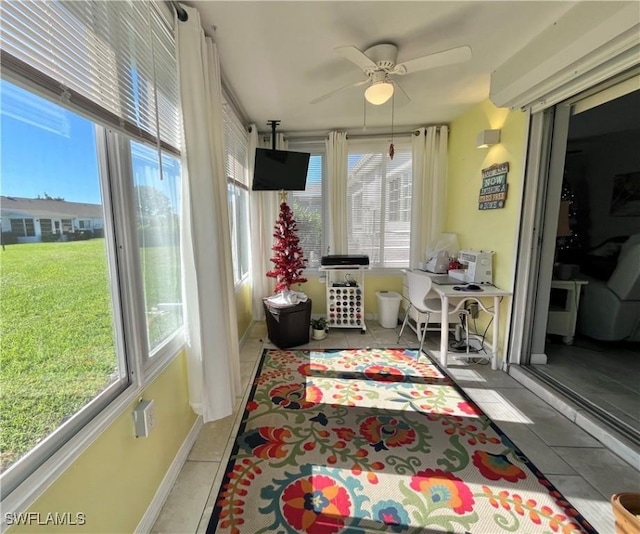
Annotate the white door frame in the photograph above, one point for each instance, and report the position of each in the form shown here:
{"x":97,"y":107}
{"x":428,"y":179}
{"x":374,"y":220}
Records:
{"x":544,"y":173}
{"x":538,"y":229}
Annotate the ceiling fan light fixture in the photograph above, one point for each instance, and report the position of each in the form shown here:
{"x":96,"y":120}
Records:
{"x":379,"y":92}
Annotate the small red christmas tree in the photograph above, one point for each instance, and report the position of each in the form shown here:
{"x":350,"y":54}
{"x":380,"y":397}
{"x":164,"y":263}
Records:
{"x":289,"y":260}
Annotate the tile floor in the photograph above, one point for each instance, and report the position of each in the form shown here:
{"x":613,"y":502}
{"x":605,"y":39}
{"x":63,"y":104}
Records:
{"x":581,"y":467}
{"x":605,"y":374}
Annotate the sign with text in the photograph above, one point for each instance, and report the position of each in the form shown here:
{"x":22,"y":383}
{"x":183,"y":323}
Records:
{"x":493,"y":193}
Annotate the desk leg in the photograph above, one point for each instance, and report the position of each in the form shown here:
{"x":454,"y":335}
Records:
{"x":496,"y":330}
{"x":444,"y":331}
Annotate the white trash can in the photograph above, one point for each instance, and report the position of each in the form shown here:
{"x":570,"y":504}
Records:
{"x":388,"y":308}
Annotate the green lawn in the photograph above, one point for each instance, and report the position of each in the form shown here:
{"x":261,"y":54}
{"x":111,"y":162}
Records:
{"x":57,"y":337}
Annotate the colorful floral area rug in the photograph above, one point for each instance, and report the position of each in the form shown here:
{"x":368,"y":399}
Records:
{"x":373,"y":440}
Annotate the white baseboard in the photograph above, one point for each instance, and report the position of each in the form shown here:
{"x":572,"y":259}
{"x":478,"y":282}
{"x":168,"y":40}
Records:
{"x":245,"y":336}
{"x":155,"y":507}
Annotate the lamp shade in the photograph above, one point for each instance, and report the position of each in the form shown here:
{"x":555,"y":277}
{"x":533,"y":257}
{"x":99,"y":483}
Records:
{"x":487,"y":138}
{"x":378,"y":93}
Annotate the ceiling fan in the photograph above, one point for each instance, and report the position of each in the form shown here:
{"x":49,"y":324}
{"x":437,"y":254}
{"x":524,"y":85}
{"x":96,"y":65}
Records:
{"x":379,"y":65}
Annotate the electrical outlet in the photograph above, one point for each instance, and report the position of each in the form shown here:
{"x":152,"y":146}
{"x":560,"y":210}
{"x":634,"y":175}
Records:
{"x":473,"y":309}
{"x":144,"y":418}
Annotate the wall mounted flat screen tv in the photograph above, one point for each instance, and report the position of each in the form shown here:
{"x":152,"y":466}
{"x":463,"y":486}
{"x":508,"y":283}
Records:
{"x":280,"y":169}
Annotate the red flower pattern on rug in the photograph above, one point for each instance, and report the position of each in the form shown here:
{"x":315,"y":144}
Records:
{"x":296,"y":396}
{"x":373,"y":440}
{"x":443,"y":489}
{"x":316,"y":504}
{"x":497,"y":466}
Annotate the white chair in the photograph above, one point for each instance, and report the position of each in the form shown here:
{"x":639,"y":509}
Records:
{"x":419,"y":287}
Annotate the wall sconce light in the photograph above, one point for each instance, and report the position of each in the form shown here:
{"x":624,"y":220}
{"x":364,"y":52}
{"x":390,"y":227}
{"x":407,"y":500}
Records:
{"x":488,"y":138}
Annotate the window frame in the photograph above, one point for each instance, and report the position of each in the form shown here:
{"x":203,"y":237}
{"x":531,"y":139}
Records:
{"x":376,"y":145}
{"x":238,"y":281}
{"x":57,"y":450}
{"x":38,"y":468}
{"x":153,"y":360}
{"x":233,"y":125}
{"x":316,"y":148}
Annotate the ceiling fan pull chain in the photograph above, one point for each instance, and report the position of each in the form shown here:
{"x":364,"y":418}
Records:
{"x":364,"y":103}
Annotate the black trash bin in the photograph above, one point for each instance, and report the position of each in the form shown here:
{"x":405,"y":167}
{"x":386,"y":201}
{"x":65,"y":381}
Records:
{"x":288,"y":327}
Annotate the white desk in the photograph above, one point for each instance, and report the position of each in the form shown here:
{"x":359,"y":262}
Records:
{"x":447,"y":292}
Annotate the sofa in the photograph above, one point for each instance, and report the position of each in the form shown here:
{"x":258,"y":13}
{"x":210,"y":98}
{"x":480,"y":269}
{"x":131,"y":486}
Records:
{"x":610,"y":306}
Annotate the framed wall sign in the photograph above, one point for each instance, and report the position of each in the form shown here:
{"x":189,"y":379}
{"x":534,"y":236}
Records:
{"x":493,"y":193}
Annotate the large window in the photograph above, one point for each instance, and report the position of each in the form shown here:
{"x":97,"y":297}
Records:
{"x":236,"y":166}
{"x":80,"y":316}
{"x":379,"y":203}
{"x":308,"y":210}
{"x":157,"y":197}
{"x":59,"y":320}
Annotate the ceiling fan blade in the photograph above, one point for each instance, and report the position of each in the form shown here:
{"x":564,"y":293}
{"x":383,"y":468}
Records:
{"x":439,"y":59}
{"x":354,"y":55}
{"x":401,"y":96}
{"x":325,"y":96}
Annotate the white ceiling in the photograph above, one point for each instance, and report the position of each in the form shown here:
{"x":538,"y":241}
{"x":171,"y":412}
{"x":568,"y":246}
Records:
{"x":276,"y":57}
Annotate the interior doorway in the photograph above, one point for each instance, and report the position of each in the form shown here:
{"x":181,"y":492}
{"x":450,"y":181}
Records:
{"x":585,"y":338}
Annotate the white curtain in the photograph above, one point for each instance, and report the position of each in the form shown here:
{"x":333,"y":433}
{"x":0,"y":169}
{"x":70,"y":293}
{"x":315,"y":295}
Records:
{"x":337,"y":152}
{"x":211,"y":328}
{"x":265,"y":206}
{"x":428,"y":202}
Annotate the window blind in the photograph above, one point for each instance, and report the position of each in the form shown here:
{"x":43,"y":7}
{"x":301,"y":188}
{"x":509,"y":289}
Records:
{"x":112,"y":61}
{"x":237,"y":171}
{"x":379,"y":203}
{"x":237,"y":141}
{"x":308,"y":207}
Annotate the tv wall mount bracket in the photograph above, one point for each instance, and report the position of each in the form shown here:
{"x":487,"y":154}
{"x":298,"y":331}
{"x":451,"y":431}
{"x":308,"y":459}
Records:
{"x":274,"y":124}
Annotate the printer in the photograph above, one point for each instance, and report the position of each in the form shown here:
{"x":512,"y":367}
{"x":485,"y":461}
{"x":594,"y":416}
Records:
{"x":477,"y":267}
{"x":344,"y":260}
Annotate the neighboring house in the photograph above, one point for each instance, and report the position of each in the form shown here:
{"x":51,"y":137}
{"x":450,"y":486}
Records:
{"x":32,"y":220}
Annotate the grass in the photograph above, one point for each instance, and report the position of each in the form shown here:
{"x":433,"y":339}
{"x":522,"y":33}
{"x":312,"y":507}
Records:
{"x":57,"y":347}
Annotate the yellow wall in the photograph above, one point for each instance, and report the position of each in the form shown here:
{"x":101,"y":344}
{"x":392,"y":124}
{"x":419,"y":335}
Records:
{"x":372,"y":283}
{"x":243,"y":308}
{"x":114,"y":480}
{"x":495,"y":230}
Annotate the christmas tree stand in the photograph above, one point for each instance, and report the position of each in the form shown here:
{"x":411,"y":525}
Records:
{"x":289,"y":326}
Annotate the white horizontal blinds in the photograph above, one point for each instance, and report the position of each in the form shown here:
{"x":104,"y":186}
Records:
{"x":379,"y":203}
{"x":308,"y":208}
{"x":237,"y":142}
{"x":237,"y":171}
{"x":106,"y":59}
{"x":169,"y":114}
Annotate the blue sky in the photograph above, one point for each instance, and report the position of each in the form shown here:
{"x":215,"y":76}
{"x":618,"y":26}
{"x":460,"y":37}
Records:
{"x":45,"y":148}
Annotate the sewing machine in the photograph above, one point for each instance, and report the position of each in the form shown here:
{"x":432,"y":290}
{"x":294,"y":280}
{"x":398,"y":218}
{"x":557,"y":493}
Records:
{"x":477,"y":267}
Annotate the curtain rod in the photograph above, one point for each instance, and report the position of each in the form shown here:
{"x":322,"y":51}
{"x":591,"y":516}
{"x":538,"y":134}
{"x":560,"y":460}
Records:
{"x":182,"y":14}
{"x":316,"y":139}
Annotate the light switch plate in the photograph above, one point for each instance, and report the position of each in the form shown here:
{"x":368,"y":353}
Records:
{"x":144,"y":417}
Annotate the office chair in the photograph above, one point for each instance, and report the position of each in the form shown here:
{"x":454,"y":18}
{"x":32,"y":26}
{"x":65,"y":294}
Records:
{"x":419,"y":286}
